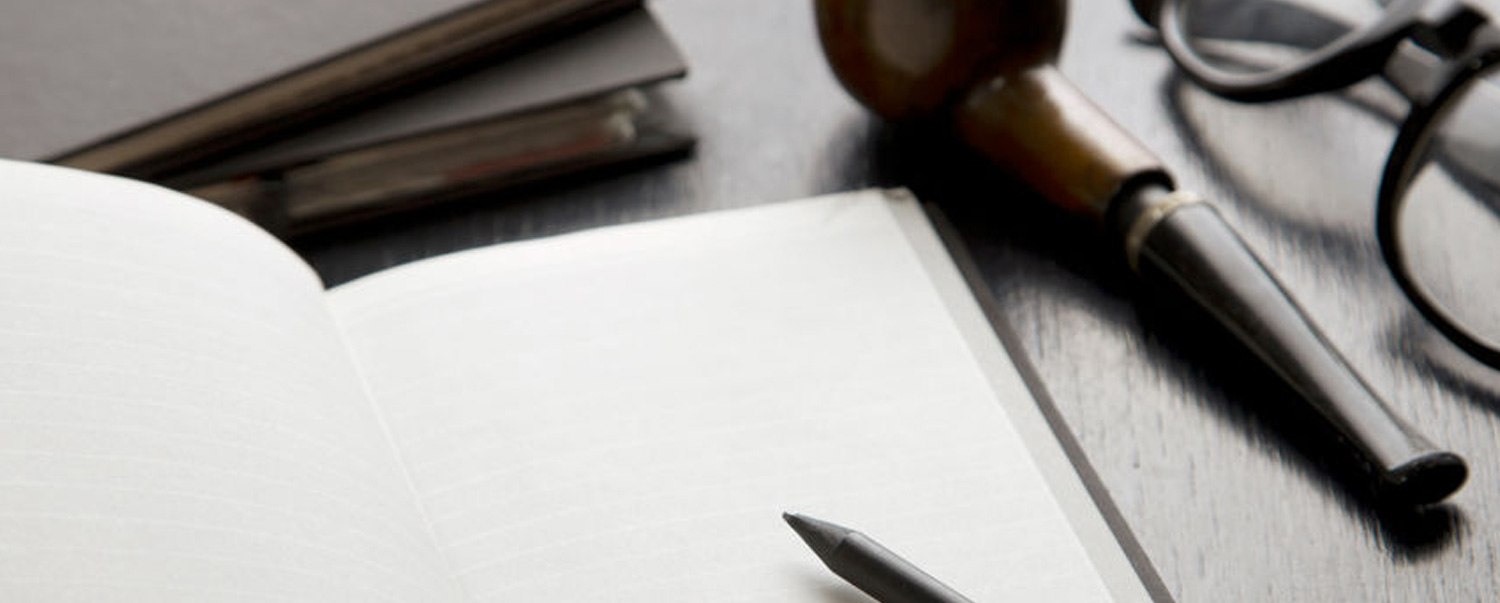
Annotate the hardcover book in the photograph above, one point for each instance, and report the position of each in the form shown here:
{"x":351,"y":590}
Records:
{"x":147,"y":86}
{"x":576,"y":104}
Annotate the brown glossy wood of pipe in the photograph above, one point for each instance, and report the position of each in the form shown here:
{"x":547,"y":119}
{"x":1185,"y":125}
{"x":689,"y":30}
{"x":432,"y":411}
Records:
{"x":986,"y":67}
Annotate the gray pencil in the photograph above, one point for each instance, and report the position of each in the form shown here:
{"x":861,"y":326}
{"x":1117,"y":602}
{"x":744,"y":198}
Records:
{"x":872,"y":568}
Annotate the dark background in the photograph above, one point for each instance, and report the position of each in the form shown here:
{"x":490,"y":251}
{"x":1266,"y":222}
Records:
{"x":1232,"y":491}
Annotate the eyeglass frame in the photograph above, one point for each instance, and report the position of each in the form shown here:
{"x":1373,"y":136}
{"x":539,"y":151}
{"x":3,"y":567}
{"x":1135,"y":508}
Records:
{"x":1467,"y":46}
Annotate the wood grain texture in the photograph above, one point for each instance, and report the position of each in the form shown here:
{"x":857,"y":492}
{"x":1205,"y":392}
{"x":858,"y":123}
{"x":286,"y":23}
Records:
{"x":1231,"y":491}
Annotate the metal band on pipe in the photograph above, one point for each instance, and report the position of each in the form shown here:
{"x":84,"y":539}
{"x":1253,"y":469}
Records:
{"x":1143,"y":224}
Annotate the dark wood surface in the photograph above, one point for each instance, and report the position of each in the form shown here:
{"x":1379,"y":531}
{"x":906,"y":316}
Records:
{"x":1232,"y":492}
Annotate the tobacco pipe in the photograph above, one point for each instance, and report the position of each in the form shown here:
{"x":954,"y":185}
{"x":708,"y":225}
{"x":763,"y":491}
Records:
{"x":985,"y":69}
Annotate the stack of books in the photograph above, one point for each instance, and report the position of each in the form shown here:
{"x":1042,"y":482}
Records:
{"x":318,"y":114}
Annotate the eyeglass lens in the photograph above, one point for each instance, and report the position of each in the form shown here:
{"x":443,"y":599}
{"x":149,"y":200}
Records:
{"x":1449,"y":227}
{"x":1450,"y":221}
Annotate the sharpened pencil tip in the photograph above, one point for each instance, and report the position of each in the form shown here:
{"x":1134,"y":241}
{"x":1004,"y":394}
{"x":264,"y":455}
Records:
{"x":821,"y":536}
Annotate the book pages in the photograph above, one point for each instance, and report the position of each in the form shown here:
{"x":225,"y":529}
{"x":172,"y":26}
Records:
{"x":179,"y":420}
{"x":623,"y":414}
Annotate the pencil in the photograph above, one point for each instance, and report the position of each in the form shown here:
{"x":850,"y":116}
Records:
{"x":872,"y":568}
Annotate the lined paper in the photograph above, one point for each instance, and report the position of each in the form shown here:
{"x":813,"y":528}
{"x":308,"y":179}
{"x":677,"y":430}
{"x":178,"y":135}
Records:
{"x":179,"y":420}
{"x":617,"y":415}
{"x":623,"y":414}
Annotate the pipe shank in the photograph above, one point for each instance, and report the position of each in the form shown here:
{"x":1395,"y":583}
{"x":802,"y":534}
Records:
{"x":1192,"y":249}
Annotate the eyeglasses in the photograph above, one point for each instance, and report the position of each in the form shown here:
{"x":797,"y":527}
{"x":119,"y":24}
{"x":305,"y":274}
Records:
{"x":1443,"y":56}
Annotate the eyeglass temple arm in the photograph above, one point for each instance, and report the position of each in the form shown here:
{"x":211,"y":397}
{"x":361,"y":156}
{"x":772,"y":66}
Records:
{"x":1345,"y":61}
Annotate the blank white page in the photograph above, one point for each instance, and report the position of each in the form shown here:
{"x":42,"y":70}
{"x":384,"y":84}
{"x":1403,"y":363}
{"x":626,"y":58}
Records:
{"x":179,"y":420}
{"x":623,"y":414}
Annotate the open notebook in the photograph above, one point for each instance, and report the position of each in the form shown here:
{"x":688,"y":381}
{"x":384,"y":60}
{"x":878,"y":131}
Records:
{"x":616,"y":415}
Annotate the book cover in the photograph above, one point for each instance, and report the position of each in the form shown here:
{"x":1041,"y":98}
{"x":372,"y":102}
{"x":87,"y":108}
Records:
{"x":543,"y":113}
{"x":145,"y":86}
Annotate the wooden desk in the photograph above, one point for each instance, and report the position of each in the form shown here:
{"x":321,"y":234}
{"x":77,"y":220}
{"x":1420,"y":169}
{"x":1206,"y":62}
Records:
{"x":1230,"y":495}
